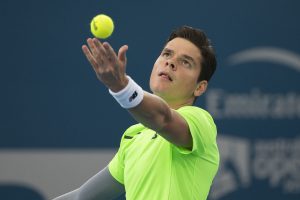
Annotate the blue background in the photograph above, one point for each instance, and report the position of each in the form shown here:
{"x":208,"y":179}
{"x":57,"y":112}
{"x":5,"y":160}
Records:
{"x":50,"y":97}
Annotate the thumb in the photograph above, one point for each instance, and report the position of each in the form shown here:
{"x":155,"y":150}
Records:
{"x":122,"y":53}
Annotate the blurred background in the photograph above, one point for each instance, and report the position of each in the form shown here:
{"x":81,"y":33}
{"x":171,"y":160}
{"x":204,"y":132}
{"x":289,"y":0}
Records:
{"x":59,"y":126}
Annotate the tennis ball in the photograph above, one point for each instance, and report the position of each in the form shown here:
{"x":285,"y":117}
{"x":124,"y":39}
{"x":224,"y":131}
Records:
{"x":102,"y":26}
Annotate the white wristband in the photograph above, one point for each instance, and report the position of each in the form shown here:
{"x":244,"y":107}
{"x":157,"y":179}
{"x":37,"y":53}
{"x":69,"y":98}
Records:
{"x":130,"y":96}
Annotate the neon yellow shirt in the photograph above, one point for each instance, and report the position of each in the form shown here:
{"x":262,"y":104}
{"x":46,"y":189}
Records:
{"x":152,"y":168}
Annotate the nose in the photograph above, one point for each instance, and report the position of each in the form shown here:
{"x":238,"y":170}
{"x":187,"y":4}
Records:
{"x":171,"y":65}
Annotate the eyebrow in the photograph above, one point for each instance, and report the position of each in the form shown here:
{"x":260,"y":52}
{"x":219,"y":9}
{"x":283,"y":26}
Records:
{"x":184,"y":55}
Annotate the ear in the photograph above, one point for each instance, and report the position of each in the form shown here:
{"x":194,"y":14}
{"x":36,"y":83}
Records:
{"x":201,"y":88}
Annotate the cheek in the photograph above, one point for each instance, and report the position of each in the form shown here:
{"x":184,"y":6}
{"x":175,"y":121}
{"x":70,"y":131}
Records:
{"x":153,"y":75}
{"x":188,"y":80}
{"x":155,"y":66}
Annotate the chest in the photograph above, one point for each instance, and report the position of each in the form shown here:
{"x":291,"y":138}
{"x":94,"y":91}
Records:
{"x":148,"y":153}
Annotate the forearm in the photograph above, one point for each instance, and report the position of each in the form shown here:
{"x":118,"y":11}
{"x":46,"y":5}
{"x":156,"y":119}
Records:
{"x":73,"y":195}
{"x":153,"y":112}
{"x":101,"y":186}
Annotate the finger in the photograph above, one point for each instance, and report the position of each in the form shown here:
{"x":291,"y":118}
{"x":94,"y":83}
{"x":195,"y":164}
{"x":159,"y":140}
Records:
{"x":110,"y":51}
{"x":93,"y":48}
{"x":100,"y":47}
{"x":90,"y":57}
{"x":122,"y":53}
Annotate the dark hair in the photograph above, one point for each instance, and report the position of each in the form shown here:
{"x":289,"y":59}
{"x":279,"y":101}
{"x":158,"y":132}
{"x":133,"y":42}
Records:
{"x":199,"y":38}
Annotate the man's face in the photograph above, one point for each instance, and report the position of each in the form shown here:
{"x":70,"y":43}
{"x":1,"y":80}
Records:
{"x":176,"y":71}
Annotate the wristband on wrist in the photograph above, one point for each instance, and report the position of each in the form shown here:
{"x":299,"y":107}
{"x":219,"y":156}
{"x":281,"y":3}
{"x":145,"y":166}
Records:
{"x":130,"y":96}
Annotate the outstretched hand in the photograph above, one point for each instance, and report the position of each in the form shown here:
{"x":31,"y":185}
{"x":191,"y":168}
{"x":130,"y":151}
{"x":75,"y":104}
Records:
{"x":109,"y":67}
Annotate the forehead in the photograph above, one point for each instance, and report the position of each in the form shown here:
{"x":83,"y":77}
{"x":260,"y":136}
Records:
{"x":182,"y":46}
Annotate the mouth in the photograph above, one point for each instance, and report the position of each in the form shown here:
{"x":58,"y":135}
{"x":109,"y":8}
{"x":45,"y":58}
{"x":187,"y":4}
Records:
{"x":165,"y":75}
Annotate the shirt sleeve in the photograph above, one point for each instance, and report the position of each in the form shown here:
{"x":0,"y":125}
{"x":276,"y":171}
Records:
{"x":116,"y":167}
{"x":202,"y":129}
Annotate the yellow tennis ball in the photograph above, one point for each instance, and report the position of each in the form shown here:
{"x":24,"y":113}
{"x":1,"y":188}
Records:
{"x":102,"y":26}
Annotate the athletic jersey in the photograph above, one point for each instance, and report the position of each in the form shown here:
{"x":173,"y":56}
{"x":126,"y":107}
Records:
{"x":152,"y":168}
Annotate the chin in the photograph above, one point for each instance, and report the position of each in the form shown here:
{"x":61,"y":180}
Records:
{"x":159,"y":89}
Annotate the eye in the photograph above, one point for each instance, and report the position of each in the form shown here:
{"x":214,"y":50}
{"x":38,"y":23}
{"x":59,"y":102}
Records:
{"x":165,"y":54}
{"x":186,"y":63}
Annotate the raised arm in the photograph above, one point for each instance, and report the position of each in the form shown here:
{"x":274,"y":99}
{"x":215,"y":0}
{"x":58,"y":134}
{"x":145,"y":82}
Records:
{"x":152,"y":111}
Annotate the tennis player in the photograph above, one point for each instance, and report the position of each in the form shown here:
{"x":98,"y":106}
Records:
{"x":171,"y":154}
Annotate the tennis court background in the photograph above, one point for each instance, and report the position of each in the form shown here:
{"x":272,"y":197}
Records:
{"x":59,"y":125}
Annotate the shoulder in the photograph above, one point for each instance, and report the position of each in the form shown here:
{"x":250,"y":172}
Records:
{"x":199,"y":120}
{"x":195,"y":112}
{"x":202,"y":128}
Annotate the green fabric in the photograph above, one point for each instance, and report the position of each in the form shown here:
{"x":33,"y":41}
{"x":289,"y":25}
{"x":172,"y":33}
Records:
{"x":151,"y":168}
